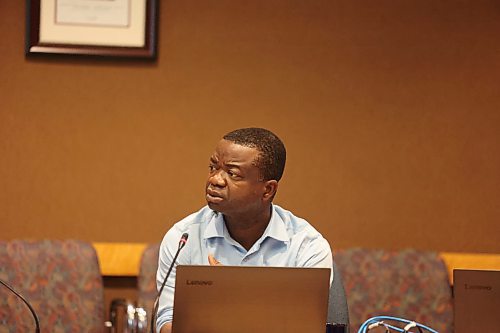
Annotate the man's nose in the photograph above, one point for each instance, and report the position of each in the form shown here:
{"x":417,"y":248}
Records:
{"x":217,"y":179}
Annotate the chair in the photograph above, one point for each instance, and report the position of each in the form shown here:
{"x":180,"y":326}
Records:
{"x":409,"y":283}
{"x":146,"y":281}
{"x":61,"y":280}
{"x":337,"y":302}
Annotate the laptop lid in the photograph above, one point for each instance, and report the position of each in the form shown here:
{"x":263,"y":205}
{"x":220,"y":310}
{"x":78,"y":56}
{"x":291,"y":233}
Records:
{"x":477,"y":300}
{"x":243,"y":299}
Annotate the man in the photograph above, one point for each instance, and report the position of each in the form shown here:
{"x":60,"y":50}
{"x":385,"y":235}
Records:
{"x":240,"y":225}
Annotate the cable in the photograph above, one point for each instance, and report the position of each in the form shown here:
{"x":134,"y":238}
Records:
{"x":37,"y":322}
{"x":380,"y":321}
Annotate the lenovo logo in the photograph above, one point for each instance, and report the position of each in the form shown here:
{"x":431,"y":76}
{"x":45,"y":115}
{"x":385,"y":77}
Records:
{"x":199,"y":282}
{"x":478,"y":287}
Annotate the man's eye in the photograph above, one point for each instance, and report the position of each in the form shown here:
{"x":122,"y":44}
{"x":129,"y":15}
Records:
{"x":232,"y":174}
{"x":211,"y":167}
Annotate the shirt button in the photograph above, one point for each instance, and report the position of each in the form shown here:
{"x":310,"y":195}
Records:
{"x":245,"y":259}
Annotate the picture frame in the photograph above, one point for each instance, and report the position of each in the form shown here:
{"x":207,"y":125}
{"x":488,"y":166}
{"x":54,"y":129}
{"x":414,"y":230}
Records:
{"x":99,"y":28}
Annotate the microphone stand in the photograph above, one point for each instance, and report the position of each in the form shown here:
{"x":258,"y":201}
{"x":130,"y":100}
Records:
{"x":182,"y":242}
{"x":37,"y":322}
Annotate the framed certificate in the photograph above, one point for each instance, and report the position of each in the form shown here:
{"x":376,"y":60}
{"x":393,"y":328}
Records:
{"x":107,"y":28}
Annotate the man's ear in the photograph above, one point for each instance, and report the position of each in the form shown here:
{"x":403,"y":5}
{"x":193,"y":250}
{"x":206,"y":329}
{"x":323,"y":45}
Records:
{"x":270,"y":189}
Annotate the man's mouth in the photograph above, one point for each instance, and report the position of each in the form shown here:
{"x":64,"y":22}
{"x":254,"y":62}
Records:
{"x":213,"y":196}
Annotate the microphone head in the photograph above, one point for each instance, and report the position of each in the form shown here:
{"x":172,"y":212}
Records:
{"x":183,"y":240}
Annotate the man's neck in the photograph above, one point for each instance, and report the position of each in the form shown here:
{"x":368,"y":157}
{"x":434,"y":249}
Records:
{"x":247,"y":229}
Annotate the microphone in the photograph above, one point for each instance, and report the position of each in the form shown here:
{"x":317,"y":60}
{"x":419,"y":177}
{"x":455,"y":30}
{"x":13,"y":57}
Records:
{"x":37,"y":322}
{"x":182,"y":242}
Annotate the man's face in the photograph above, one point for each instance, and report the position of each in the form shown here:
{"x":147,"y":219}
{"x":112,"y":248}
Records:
{"x":234,"y":185}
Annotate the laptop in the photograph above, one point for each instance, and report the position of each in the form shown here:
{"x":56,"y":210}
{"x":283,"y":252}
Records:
{"x":477,"y":300}
{"x":243,"y":299}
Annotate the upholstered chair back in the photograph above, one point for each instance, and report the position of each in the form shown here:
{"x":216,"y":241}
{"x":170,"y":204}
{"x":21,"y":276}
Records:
{"x":61,"y":280}
{"x":408,"y":283}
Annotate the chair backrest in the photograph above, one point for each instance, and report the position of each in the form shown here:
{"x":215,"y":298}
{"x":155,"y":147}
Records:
{"x":61,"y":280}
{"x":338,"y":312}
{"x":146,"y":281}
{"x":408,"y":283}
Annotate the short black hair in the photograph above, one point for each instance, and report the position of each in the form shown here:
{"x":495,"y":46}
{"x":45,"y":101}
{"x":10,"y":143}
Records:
{"x":271,"y":161}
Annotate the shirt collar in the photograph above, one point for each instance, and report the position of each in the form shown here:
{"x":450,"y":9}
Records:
{"x":215,"y":227}
{"x":276,"y":228}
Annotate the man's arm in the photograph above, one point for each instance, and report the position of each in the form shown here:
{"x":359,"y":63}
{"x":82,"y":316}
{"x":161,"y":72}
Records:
{"x":168,"y":249}
{"x":316,"y":253}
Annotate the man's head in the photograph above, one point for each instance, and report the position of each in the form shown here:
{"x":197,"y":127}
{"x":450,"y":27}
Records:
{"x":272,"y":157}
{"x":244,"y":171}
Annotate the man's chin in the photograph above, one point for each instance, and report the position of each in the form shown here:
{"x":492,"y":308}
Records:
{"x":215,"y":207}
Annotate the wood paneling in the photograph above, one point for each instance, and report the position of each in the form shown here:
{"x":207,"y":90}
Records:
{"x":388,"y":109}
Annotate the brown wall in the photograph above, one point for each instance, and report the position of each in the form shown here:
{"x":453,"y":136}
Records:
{"x":390,"y":111}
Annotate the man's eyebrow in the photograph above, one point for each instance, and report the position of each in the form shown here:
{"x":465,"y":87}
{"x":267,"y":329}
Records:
{"x":213,"y":159}
{"x":233,"y":165}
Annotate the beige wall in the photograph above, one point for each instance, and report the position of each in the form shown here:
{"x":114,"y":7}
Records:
{"x":390,"y":111}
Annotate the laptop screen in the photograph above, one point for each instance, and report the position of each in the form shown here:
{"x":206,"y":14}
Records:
{"x":477,"y":300}
{"x":243,"y":299}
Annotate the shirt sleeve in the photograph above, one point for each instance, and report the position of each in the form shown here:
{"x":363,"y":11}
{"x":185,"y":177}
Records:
{"x":316,"y":252}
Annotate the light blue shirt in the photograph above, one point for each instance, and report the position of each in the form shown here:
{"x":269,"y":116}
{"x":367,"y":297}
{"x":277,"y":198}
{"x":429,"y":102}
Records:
{"x":288,"y":241}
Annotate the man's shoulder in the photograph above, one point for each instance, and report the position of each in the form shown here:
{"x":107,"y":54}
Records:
{"x":193,"y":224}
{"x":302,"y":233}
{"x":203,"y":215}
{"x":293,"y":222}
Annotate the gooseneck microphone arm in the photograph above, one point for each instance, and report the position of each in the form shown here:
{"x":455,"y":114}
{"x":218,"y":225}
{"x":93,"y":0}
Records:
{"x":154,"y":314}
{"x":37,"y":322}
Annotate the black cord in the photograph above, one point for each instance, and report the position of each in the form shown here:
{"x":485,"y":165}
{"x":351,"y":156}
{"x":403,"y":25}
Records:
{"x":182,"y":242}
{"x":157,"y":300}
{"x":37,"y":322}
